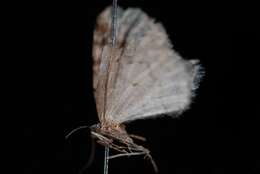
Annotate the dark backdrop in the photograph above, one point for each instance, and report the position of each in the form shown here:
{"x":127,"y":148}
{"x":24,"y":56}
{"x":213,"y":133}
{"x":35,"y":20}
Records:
{"x":217,"y":135}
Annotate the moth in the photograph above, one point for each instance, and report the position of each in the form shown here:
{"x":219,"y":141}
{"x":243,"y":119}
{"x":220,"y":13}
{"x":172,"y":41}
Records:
{"x":140,"y":77}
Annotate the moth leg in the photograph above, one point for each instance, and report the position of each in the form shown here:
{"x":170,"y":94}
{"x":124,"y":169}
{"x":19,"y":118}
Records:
{"x":117,"y":147}
{"x":147,"y":155}
{"x":100,"y":137}
{"x":129,"y":148}
{"x":137,"y":137}
{"x":126,"y":154}
{"x":153,"y":163}
{"x":108,"y":142}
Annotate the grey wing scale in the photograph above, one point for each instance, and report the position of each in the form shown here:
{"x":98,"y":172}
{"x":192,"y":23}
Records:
{"x":100,"y":55}
{"x":148,"y":78}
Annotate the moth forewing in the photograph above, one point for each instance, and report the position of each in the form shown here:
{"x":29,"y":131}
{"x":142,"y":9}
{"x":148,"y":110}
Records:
{"x":138,"y":78}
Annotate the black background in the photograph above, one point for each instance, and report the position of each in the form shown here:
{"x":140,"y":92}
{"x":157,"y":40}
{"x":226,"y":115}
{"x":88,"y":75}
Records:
{"x":217,"y":135}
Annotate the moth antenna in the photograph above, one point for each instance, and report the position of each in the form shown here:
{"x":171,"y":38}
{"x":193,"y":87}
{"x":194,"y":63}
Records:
{"x":91,"y":157}
{"x":153,"y":163}
{"x":114,"y":23}
{"x":75,"y":130}
{"x":90,"y":160}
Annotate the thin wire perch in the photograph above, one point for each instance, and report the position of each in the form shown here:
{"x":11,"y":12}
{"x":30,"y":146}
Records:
{"x":113,"y":37}
{"x":106,"y":159}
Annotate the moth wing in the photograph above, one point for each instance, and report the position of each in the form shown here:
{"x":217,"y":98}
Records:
{"x":104,"y":62}
{"x":148,"y":78}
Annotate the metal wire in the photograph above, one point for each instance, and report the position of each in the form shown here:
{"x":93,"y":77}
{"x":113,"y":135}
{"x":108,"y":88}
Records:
{"x":113,"y":37}
{"x":106,"y":160}
{"x":114,"y":23}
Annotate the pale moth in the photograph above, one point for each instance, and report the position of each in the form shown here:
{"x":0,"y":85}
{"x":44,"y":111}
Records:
{"x":137,"y":75}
